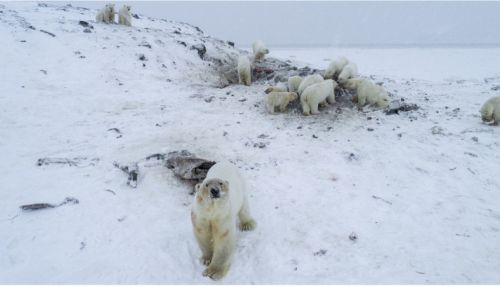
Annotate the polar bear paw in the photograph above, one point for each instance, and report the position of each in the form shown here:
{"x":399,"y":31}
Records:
{"x":206,"y":260}
{"x":214,"y":273}
{"x":248,"y":225}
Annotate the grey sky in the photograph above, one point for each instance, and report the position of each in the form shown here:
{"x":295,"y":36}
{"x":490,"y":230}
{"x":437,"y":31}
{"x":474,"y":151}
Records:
{"x":334,"y":23}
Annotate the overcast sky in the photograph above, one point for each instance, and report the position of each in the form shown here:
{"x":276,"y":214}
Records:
{"x":311,"y":23}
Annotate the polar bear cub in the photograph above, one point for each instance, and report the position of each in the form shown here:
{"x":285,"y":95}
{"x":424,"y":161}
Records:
{"x":259,"y":50}
{"x":490,"y":111}
{"x":349,"y":71}
{"x":368,"y":92}
{"x":244,"y":70}
{"x":219,"y":200}
{"x":124,"y":17}
{"x":279,"y":99}
{"x":294,"y":82}
{"x":309,"y":80}
{"x":335,"y":67}
{"x":107,"y":14}
{"x":314,"y":94}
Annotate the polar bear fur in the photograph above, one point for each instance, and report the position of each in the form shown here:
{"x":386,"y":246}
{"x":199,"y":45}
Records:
{"x":349,"y":71}
{"x":335,"y":67}
{"x":107,"y":14}
{"x":317,"y":93}
{"x":368,"y":92}
{"x":279,"y":99}
{"x":244,"y":71}
{"x":294,"y":83}
{"x":490,"y":111}
{"x":280,"y":87}
{"x":124,"y":17}
{"x":259,"y":50}
{"x":309,"y":80}
{"x":219,"y":200}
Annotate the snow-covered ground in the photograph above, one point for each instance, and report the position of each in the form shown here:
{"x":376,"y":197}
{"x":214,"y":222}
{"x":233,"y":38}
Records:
{"x":421,"y":190}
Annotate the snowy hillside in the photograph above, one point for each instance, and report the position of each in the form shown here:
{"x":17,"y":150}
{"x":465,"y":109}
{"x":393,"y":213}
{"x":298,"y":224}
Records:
{"x":420,"y":189}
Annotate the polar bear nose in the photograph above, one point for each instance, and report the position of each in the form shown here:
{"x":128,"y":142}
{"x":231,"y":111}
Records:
{"x":215,"y":193}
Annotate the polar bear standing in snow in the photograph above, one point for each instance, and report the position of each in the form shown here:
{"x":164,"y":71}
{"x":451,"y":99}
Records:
{"x":491,"y":110}
{"x":279,"y":99}
{"x":368,"y":92}
{"x":219,"y":200}
{"x":335,"y":67}
{"x":124,"y":17}
{"x":349,"y":71}
{"x":259,"y":50}
{"x":107,"y":14}
{"x":309,"y":80}
{"x":317,"y":93}
{"x":293,"y":83}
{"x":244,"y":70}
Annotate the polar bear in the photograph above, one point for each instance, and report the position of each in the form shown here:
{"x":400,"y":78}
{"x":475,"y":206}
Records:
{"x":349,"y":71}
{"x":293,"y":83}
{"x":335,"y":67}
{"x":317,"y":93}
{"x":124,"y":17}
{"x":490,"y":111}
{"x":309,"y":80}
{"x":279,"y":99}
{"x":259,"y":50}
{"x":280,"y":87}
{"x":107,"y":14}
{"x":219,"y":200}
{"x":368,"y":92}
{"x":244,"y":70}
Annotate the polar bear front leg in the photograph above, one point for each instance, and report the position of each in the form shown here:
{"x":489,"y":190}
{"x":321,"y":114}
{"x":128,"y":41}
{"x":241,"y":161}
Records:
{"x":246,"y":220}
{"x":221,"y":260}
{"x":305,"y":106}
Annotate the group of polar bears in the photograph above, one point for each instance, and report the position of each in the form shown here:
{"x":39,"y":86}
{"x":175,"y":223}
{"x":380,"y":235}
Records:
{"x":107,"y":15}
{"x":316,"y":89}
{"x":245,"y":64}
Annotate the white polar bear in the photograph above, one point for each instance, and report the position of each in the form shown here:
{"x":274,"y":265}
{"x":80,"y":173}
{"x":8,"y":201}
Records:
{"x":349,"y":71}
{"x":259,"y":50}
{"x":317,"y":93}
{"x":490,"y":111}
{"x":279,"y":99}
{"x":309,"y":80}
{"x":335,"y":67}
{"x":219,"y":200}
{"x":293,"y":83}
{"x":124,"y":17}
{"x":244,"y":71}
{"x":368,"y":92}
{"x":107,"y":14}
{"x":280,"y":87}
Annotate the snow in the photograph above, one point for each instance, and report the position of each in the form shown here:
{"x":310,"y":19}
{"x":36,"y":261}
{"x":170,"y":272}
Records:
{"x":421,"y":190}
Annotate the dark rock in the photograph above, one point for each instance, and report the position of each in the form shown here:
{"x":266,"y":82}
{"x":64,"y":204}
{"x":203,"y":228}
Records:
{"x":135,"y":16}
{"x":202,"y":50}
{"x":395,"y":107}
{"x":87,"y":30}
{"x":142,"y":57}
{"x":230,"y":43}
{"x":182,"y":43}
{"x":353,"y":236}
{"x":48,"y":33}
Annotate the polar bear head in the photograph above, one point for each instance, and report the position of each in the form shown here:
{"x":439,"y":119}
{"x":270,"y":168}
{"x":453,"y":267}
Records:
{"x":213,"y":191}
{"x":292,"y":96}
{"x":127,"y":7}
{"x":352,"y":83}
{"x":110,"y":8}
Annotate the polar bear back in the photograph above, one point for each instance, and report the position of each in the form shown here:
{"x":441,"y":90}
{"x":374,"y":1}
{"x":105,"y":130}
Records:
{"x":309,"y":80}
{"x":237,"y":187}
{"x":349,"y":71}
{"x":335,"y":67}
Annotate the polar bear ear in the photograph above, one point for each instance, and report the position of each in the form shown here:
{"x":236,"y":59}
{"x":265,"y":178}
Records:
{"x":197,"y":187}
